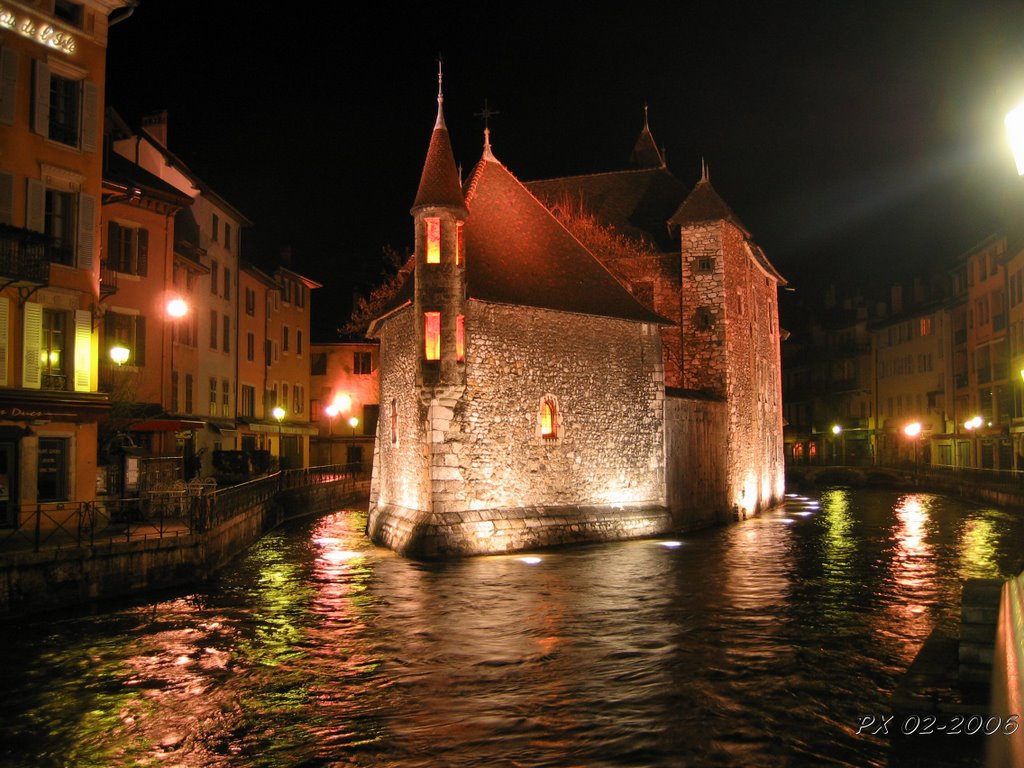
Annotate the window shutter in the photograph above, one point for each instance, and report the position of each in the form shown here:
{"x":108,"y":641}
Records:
{"x":90,"y":116}
{"x":31,"y":375}
{"x":35,"y":206}
{"x":41,"y":113}
{"x":83,"y":349}
{"x":5,"y":310}
{"x":6,"y":198}
{"x":86,"y":230}
{"x":140,"y":340}
{"x":143,"y":260}
{"x":114,"y":245}
{"x":8,"y":84}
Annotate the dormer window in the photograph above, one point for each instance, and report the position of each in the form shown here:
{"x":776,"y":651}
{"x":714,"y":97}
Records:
{"x":432,"y":335}
{"x":433,"y":226}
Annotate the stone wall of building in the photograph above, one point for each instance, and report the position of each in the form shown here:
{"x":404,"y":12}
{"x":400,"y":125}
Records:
{"x":400,"y":475}
{"x":604,"y":377}
{"x":703,"y":303}
{"x":756,"y":473}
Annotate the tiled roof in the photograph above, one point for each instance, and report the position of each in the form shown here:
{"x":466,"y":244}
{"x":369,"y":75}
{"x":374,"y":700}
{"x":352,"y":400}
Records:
{"x":637,"y":203}
{"x":704,"y":204}
{"x":518,"y":253}
{"x":645,"y":152}
{"x":439,"y":183}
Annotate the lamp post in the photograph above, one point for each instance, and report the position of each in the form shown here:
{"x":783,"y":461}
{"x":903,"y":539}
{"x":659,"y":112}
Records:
{"x":332,"y":413}
{"x":279,"y":413}
{"x":176,"y":309}
{"x":837,"y":431}
{"x":913,"y":432}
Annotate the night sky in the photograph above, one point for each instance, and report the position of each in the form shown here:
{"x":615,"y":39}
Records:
{"x":855,"y":140}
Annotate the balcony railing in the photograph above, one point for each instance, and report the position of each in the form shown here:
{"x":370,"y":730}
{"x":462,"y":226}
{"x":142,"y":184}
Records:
{"x":24,"y":255}
{"x":108,"y":280}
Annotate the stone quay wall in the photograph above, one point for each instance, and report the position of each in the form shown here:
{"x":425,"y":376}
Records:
{"x":32,"y":582}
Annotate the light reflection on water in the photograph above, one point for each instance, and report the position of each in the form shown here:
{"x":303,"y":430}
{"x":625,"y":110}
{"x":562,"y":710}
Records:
{"x":758,"y":644}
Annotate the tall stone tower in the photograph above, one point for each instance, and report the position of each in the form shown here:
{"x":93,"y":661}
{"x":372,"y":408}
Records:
{"x":439,"y":213}
{"x":730,"y":325}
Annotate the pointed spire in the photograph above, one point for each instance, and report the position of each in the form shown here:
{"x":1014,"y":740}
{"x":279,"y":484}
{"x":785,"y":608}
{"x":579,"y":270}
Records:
{"x":645,"y":151}
{"x":440,"y":95}
{"x":704,"y":171}
{"x":487,"y":113}
{"x":439,"y":183}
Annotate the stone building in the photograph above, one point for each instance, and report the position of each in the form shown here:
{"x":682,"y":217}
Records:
{"x":522,"y":386}
{"x":577,"y":359}
{"x":688,"y":256}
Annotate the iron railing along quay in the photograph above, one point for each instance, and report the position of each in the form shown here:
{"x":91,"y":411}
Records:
{"x":176,"y":510}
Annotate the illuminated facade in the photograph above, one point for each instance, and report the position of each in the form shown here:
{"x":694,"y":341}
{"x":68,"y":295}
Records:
{"x":345,"y":387}
{"x":685,"y":254}
{"x":521,"y":385}
{"x":52,"y":76}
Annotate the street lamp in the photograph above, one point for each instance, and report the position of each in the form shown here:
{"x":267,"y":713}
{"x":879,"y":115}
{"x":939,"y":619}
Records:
{"x":913,"y":431}
{"x":1015,"y":132}
{"x":119,"y":354}
{"x":353,"y":422}
{"x":176,"y":309}
{"x":278,"y":413}
{"x":837,"y":430}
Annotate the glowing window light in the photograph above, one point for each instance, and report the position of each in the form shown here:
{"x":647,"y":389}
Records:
{"x":460,"y":338}
{"x":547,"y":419}
{"x":458,"y":243}
{"x":433,"y":226}
{"x":432,"y":335}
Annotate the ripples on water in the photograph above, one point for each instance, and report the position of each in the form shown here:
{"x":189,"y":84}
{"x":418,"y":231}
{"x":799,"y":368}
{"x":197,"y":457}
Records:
{"x":757,"y":644}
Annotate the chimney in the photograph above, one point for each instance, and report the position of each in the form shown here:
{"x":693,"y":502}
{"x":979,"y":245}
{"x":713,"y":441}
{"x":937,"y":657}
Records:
{"x":155,"y":124}
{"x":897,"y":299}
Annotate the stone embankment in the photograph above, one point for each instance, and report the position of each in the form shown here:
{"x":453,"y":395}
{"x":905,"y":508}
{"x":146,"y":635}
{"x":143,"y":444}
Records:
{"x":189,"y":547}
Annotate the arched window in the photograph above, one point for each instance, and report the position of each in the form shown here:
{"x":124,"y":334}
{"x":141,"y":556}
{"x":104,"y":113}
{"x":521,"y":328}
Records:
{"x":547,"y":418}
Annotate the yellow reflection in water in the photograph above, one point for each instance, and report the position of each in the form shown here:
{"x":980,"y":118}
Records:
{"x":978,"y":549}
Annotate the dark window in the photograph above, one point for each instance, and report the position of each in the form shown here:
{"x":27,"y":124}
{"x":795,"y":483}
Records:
{"x":226,"y":341}
{"x":706,"y":264}
{"x":65,"y":105}
{"x":361,"y":363}
{"x":127,"y":249}
{"x":705,"y":320}
{"x":188,"y":393}
{"x":60,"y":226}
{"x":318,"y":365}
{"x":215,"y":226}
{"x":213,"y":396}
{"x":227,"y":236}
{"x":284,"y":339}
{"x":227,"y":282}
{"x":248,"y":400}
{"x":53,"y":469}
{"x":250,"y":302}
{"x":214,"y":275}
{"x":213,"y":329}
{"x":250,"y":347}
{"x":68,"y":12}
{"x":128,"y":331}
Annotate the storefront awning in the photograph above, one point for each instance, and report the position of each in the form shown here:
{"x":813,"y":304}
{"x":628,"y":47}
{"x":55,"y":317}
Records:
{"x":166,"y":425}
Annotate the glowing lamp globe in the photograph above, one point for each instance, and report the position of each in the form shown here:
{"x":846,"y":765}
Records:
{"x":1015,"y":133}
{"x":278,"y":412}
{"x":177,"y":308}
{"x":913,"y":429}
{"x":119,"y":354}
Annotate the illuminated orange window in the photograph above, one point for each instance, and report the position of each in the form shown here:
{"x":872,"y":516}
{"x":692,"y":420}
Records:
{"x":433,"y":240}
{"x":548,"y":425}
{"x":460,"y":338}
{"x":458,"y":243}
{"x":432,"y":334}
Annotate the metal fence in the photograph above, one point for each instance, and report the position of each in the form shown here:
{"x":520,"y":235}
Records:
{"x":163,"y":511}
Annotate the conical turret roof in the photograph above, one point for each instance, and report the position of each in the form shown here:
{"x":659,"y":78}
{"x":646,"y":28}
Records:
{"x":439,"y":183}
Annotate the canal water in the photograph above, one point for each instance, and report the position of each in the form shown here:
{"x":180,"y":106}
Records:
{"x":757,"y":644}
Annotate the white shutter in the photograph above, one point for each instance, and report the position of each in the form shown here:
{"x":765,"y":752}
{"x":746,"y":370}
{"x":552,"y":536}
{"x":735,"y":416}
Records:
{"x":8,"y":84}
{"x":5,"y":310}
{"x":86,"y":230}
{"x":6,"y":198}
{"x":90,"y":116}
{"x":41,"y":113}
{"x":31,"y":374}
{"x":83,"y":350}
{"x":35,"y":206}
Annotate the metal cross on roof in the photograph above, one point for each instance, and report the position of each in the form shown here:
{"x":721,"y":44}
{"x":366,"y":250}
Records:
{"x":486,"y":113}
